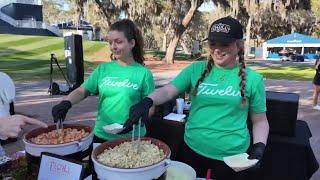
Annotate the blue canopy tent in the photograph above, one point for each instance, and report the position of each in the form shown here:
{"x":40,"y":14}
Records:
{"x":299,"y":43}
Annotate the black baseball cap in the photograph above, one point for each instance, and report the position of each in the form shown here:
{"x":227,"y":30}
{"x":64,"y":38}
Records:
{"x":225,"y":30}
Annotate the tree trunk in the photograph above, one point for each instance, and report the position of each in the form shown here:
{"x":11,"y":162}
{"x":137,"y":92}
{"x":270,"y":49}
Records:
{"x":77,"y":19}
{"x":164,"y":42}
{"x":171,"y":51}
{"x":169,"y":58}
{"x":185,"y":48}
{"x":79,"y":6}
{"x":293,"y":29}
{"x":101,"y":8}
{"x":247,"y":43}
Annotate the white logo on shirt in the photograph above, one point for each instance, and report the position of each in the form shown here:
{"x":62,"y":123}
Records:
{"x":115,"y":82}
{"x":211,"y":89}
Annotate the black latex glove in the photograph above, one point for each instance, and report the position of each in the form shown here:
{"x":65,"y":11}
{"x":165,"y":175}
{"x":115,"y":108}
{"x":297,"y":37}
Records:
{"x":137,"y":111}
{"x":60,"y":110}
{"x":257,"y":151}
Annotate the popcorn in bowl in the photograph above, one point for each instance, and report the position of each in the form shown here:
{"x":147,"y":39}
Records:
{"x":125,"y":156}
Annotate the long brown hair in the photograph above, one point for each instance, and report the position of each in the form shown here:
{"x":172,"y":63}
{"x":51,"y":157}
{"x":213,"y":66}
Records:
{"x":204,"y":74}
{"x":241,"y":74}
{"x":131,"y":31}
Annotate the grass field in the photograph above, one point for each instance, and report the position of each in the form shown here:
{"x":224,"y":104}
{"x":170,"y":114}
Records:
{"x":297,"y":73}
{"x":28,"y":57}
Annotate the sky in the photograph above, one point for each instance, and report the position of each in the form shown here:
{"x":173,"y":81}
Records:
{"x":206,"y":6}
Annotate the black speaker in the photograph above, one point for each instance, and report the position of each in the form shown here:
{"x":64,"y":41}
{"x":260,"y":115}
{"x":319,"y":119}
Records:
{"x":282,"y":112}
{"x":74,"y":60}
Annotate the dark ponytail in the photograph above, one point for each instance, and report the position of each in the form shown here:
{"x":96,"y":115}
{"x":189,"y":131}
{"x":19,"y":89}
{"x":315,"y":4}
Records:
{"x":131,"y":31}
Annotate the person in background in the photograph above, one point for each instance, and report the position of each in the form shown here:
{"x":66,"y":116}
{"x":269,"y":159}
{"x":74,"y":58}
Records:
{"x":119,"y":84}
{"x":316,"y":85}
{"x":224,"y":92}
{"x":10,"y":126}
{"x":7,"y":94}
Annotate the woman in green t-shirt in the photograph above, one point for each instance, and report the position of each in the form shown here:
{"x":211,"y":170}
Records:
{"x":120,"y":83}
{"x":223,"y":92}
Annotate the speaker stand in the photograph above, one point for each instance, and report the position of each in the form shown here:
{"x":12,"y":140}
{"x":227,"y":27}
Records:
{"x":53,"y":59}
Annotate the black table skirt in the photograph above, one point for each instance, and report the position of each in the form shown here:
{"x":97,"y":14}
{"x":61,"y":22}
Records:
{"x":289,"y":157}
{"x":285,"y":158}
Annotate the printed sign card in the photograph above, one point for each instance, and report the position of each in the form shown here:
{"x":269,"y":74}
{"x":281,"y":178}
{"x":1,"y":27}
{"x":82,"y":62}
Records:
{"x":54,"y":167}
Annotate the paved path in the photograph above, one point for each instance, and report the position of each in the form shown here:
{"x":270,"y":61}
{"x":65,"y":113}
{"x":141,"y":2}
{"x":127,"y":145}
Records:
{"x":32,"y":99}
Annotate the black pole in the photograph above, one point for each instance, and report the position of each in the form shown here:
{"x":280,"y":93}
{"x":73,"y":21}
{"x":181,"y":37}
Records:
{"x":51,"y":72}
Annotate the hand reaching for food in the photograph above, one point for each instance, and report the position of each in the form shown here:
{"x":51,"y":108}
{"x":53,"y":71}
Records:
{"x":11,"y":127}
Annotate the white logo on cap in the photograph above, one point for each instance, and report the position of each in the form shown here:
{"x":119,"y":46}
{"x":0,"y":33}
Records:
{"x":220,"y":28}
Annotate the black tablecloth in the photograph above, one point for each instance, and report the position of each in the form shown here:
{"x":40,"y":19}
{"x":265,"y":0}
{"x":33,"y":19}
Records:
{"x":285,"y":158}
{"x":170,"y":132}
{"x":289,"y":157}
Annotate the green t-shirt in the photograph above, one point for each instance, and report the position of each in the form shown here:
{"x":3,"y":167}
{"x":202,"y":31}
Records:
{"x":119,"y":87}
{"x":217,"y":126}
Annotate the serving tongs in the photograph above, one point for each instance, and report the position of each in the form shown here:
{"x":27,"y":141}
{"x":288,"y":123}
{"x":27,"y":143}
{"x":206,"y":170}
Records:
{"x":59,"y":123}
{"x":59,"y":128}
{"x":136,"y":143}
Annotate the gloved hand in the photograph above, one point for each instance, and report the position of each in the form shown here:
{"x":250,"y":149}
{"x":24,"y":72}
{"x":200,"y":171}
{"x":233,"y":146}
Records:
{"x":257,"y":151}
{"x":60,"y":110}
{"x":137,"y":111}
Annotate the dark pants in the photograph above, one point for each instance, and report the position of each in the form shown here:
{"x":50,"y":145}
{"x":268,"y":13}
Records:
{"x":201,"y":164}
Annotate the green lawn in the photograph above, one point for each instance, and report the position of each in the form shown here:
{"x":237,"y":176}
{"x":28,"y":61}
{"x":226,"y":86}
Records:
{"x":28,"y":57}
{"x":161,"y":54}
{"x":298,"y":73}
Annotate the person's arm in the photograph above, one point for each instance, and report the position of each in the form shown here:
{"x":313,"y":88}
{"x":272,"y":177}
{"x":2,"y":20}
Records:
{"x":11,"y":126}
{"x":77,"y":95}
{"x":180,"y":84}
{"x":89,"y":86}
{"x":159,"y":96}
{"x":60,"y":110}
{"x":260,"y":127}
{"x":164,"y":94}
{"x":151,"y":111}
{"x":260,"y":132}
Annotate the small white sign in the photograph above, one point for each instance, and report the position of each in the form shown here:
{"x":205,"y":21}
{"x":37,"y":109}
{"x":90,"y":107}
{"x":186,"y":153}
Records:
{"x":55,"y":168}
{"x":67,"y":53}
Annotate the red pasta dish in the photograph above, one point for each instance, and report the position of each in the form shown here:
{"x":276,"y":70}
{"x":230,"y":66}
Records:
{"x":59,"y":137}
